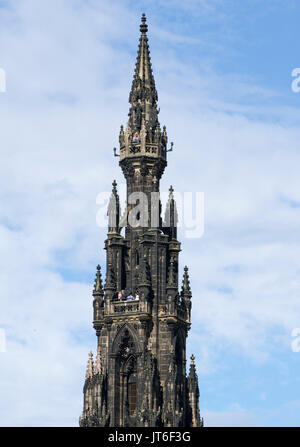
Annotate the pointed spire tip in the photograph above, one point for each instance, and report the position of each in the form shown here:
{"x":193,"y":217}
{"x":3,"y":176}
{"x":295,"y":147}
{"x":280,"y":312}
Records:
{"x":143,"y":26}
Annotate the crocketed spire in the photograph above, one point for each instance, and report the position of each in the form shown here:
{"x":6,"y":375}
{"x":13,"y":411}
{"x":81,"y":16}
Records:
{"x":192,"y":373}
{"x":143,"y":136}
{"x":171,"y":215}
{"x":98,"y":287}
{"x":113,"y":210}
{"x":98,"y":365}
{"x":194,"y":394}
{"x":186,"y":289}
{"x":90,"y":367}
{"x":143,"y":95}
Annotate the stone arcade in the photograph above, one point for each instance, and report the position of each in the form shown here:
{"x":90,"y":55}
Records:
{"x":138,"y":378}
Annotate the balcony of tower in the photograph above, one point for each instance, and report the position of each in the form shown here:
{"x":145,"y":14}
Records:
{"x":114,"y":309}
{"x":144,"y":143}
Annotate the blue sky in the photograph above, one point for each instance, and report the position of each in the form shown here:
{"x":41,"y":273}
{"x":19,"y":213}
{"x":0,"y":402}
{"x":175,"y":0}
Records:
{"x":223,"y":74}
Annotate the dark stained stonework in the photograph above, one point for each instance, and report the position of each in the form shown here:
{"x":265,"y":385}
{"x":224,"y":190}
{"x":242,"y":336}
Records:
{"x":139,"y":375}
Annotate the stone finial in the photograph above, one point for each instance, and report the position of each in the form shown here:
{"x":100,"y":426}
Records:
{"x":192,"y":372}
{"x":171,"y":215}
{"x":186,"y":289}
{"x":113,"y":210}
{"x":143,"y":26}
{"x":122,"y":136}
{"x":114,"y":185}
{"x":98,"y":366}
{"x":98,"y":287}
{"x":90,"y":367}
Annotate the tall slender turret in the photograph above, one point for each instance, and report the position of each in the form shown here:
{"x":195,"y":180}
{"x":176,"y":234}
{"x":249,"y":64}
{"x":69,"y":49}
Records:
{"x":141,"y":319}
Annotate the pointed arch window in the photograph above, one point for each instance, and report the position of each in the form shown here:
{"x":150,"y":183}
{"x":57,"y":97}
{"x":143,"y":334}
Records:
{"x":131,"y":386}
{"x":132,"y":394}
{"x":126,"y":391}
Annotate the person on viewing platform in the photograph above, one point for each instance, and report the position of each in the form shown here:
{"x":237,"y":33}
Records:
{"x":136,"y":138}
{"x":136,"y":296}
{"x":123,"y":295}
{"x":130,"y":297}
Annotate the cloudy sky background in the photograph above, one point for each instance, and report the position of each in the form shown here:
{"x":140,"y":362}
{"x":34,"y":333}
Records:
{"x":223,"y":74}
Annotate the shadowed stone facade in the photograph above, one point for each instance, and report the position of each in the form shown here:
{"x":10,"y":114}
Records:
{"x":138,"y":377}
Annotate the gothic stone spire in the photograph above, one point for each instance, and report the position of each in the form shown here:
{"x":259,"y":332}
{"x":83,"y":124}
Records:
{"x":192,"y":373}
{"x":90,"y":367}
{"x":194,"y":394}
{"x":142,"y":323}
{"x":98,"y":365}
{"x":186,"y":289}
{"x":171,"y":215}
{"x":143,"y":95}
{"x":98,"y":287}
{"x":143,"y":136}
{"x":113,"y":210}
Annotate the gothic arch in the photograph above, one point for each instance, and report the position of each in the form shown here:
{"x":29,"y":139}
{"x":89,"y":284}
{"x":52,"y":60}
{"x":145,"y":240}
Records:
{"x":126,"y":349}
{"x":122,"y":332}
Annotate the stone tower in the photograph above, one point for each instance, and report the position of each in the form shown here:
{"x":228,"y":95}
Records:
{"x":138,"y":377}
